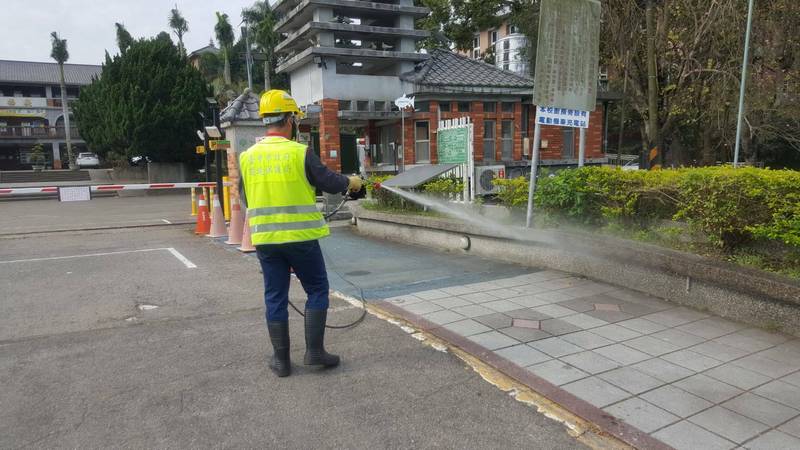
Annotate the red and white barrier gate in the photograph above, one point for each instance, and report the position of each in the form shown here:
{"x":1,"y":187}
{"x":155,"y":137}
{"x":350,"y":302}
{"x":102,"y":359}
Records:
{"x":8,"y":192}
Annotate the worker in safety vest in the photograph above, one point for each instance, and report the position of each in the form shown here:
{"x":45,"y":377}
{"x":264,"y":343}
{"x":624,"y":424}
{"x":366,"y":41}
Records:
{"x":279,"y":180}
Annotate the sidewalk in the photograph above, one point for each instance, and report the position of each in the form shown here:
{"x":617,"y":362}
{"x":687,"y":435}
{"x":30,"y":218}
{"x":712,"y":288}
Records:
{"x":672,"y":375}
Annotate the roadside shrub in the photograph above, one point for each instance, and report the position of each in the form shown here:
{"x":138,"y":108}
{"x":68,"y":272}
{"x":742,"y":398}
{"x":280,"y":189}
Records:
{"x":448,"y":188}
{"x":729,"y":206}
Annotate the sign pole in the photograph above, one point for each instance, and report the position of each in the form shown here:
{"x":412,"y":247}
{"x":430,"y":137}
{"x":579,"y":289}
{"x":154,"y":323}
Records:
{"x":743,"y":84}
{"x":402,"y":140}
{"x":537,"y":132}
{"x":582,"y":147}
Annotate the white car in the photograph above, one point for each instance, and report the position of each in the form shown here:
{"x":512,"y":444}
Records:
{"x":87,"y":160}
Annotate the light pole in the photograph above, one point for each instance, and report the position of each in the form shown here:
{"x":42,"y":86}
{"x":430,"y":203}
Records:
{"x":743,"y":83}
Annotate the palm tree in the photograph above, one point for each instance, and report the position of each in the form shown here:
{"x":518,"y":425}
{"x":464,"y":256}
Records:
{"x":224,"y":33}
{"x":260,"y":21}
{"x":179,"y":26}
{"x":60,"y":54}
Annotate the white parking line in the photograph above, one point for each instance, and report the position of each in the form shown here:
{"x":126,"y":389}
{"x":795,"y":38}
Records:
{"x":175,"y":253}
{"x":181,"y":258}
{"x":167,"y":221}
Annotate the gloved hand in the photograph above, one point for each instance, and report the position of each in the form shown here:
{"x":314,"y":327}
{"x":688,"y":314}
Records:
{"x":355,"y":183}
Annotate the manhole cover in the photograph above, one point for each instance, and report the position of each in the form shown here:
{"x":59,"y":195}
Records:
{"x":358,"y":273}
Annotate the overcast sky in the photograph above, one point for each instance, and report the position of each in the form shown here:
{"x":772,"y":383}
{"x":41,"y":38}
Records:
{"x":88,"y":25}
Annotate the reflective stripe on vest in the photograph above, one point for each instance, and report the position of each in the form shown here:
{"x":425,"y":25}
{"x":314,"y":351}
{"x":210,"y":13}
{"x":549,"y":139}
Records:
{"x":282,"y":204}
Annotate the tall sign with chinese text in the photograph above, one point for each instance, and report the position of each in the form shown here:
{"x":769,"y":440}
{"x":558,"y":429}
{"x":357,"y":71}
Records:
{"x":567,"y":54}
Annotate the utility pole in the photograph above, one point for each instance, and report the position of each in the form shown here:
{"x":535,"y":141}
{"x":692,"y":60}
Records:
{"x":743,"y":83}
{"x":622,"y":109}
{"x":655,"y":156}
{"x":248,"y":57}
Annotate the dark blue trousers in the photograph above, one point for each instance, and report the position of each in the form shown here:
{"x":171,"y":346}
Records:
{"x":309,"y":266}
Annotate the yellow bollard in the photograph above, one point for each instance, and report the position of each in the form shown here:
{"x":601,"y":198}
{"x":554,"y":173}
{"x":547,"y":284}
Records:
{"x":226,"y":194}
{"x":194,"y":202}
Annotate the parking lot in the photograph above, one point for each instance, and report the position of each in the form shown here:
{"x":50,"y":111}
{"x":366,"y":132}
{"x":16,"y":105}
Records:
{"x":153,"y":337}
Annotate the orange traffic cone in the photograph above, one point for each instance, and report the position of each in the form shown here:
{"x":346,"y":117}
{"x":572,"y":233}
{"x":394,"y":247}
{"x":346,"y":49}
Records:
{"x":237,"y":227}
{"x":217,"y":220}
{"x":247,"y":244}
{"x":203,"y":221}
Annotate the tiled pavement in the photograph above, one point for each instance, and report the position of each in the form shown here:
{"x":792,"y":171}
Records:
{"x":691,"y":380}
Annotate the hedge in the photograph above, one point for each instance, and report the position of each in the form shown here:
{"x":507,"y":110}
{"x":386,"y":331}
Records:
{"x":729,"y":206}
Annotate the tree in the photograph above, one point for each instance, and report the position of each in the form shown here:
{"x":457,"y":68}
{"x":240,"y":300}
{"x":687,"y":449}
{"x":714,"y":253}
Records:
{"x":179,"y":26}
{"x":144,"y":103}
{"x":124,"y":39}
{"x":60,"y":54}
{"x":225,"y":37}
{"x":260,"y":20}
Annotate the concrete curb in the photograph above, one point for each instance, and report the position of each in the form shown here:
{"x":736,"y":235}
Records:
{"x":606,"y":423}
{"x":738,"y":293}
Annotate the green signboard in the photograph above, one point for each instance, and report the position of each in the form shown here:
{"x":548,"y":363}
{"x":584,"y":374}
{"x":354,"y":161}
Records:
{"x":452,"y":145}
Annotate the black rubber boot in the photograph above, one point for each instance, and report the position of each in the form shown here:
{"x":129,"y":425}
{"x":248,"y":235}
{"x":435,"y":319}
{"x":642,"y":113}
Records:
{"x":279,"y":335}
{"x":315,"y":340}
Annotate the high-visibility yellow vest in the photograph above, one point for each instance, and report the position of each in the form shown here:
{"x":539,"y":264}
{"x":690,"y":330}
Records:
{"x":281,"y":203}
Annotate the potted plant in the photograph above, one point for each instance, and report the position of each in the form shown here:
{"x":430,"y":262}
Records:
{"x":37,"y":158}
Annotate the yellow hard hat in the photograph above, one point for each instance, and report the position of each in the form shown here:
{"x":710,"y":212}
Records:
{"x":275,"y":104}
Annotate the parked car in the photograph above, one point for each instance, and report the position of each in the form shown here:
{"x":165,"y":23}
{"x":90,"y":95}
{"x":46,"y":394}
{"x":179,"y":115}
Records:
{"x":87,"y":160}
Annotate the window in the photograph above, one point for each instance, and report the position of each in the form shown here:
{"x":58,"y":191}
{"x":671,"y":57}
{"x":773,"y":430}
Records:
{"x":422,"y":150}
{"x":512,"y":29}
{"x":463,"y":106}
{"x":476,"y":41}
{"x":422,"y":107}
{"x":476,"y":53}
{"x":362,"y":105}
{"x":506,"y":66}
{"x":505,"y":57}
{"x":380,"y":105}
{"x":506,"y":45}
{"x":568,"y":149}
{"x":444,"y":106}
{"x":508,"y":107}
{"x":507,"y":136}
{"x":493,"y":36}
{"x":489,"y":107}
{"x":489,"y":140}
{"x":344,"y":105}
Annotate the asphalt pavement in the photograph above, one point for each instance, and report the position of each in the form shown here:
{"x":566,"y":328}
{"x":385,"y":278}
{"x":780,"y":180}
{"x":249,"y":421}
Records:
{"x":152,"y":337}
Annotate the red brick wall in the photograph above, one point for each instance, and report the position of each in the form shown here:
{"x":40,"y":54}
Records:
{"x":329,"y":134}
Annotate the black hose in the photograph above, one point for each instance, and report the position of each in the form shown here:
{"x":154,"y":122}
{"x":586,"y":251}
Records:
{"x":360,"y":290}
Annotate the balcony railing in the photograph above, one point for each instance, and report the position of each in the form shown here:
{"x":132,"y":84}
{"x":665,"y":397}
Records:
{"x":45,"y":132}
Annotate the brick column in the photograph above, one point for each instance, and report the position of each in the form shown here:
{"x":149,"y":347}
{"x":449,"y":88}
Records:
{"x":408,"y":145}
{"x":477,"y":139}
{"x":517,"y":150}
{"x":498,"y":137}
{"x":434,"y":128}
{"x":594,"y":134}
{"x":329,"y":134}
{"x":233,"y":173}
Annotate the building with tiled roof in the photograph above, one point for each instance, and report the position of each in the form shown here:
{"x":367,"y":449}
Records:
{"x":348,"y":61}
{"x":31,"y":112}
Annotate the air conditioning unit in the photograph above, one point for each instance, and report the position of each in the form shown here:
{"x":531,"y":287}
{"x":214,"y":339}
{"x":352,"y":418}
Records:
{"x":484,"y":179}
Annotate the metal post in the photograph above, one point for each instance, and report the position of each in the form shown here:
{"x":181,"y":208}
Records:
{"x":743,"y":83}
{"x":402,"y":164}
{"x":582,"y":147}
{"x":537,"y":132}
{"x":208,"y":150}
